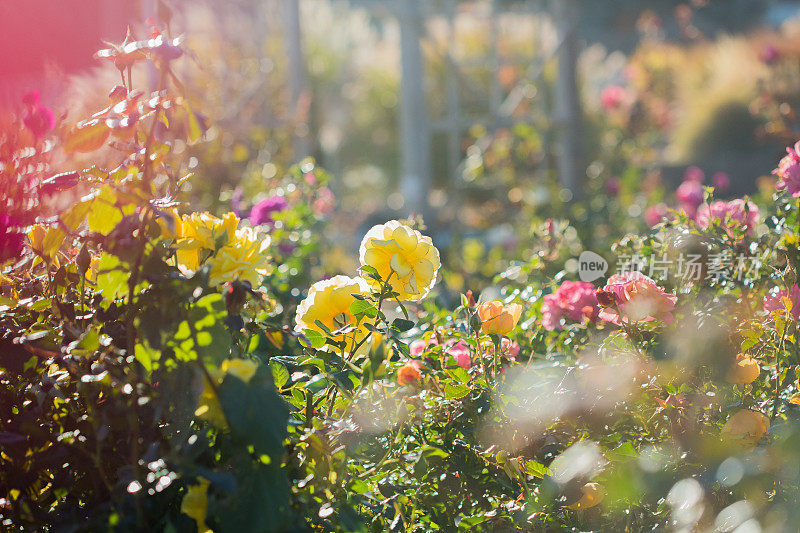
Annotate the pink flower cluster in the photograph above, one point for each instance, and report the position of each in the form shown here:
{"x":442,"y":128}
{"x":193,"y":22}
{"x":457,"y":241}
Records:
{"x":261,"y":214}
{"x":460,"y":351}
{"x":690,"y":195}
{"x":636,"y":297}
{"x":573,"y":301}
{"x":734,"y":214}
{"x":788,"y":171}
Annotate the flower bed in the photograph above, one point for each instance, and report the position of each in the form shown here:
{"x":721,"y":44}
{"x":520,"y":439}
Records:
{"x":168,"y":369}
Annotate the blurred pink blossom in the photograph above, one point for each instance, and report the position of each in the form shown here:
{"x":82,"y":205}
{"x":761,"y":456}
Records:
{"x":733,"y":214}
{"x":788,"y":171}
{"x":573,"y":301}
{"x":656,"y":214}
{"x":325,"y":202}
{"x":695,"y":174}
{"x":613,"y":97}
{"x":612,"y":186}
{"x":39,"y":119}
{"x":263,"y":210}
{"x":770,"y":54}
{"x":721,"y":182}
{"x":690,"y":193}
{"x":12,"y":240}
{"x":637,"y":297}
{"x":419,"y":346}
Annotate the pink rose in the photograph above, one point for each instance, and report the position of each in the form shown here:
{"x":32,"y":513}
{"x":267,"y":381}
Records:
{"x":638,"y":298}
{"x":421,"y":345}
{"x":788,"y":171}
{"x":690,"y":193}
{"x":733,"y":214}
{"x":573,"y":301}
{"x":509,"y":348}
{"x":460,"y":351}
{"x":656,"y":214}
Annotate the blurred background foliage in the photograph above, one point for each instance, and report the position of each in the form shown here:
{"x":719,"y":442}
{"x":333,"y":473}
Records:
{"x":705,"y":83}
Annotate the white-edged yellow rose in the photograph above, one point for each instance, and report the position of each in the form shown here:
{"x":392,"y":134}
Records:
{"x":404,"y":256}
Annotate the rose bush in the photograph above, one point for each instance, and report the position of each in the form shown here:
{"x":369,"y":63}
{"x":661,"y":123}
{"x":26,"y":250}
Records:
{"x":165,"y":369}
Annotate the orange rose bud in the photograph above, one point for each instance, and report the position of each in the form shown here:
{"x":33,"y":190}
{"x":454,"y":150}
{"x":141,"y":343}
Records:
{"x":409,"y":373}
{"x":470,"y":298}
{"x":498,"y":318}
{"x":744,"y":370}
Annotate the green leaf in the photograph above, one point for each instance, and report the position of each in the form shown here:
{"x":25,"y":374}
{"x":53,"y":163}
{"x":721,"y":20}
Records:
{"x":371,"y":272}
{"x":402,"y":325}
{"x":104,"y":215}
{"x":76,"y":214}
{"x":363,"y":308}
{"x":146,"y":356}
{"x":316,"y":339}
{"x":279,"y":374}
{"x":204,"y":333}
{"x":87,"y":137}
{"x":112,"y":277}
{"x":458,"y":374}
{"x":535,"y":469}
{"x":454,"y":392}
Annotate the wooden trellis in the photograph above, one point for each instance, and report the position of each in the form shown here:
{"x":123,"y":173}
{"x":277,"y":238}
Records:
{"x":416,"y":127}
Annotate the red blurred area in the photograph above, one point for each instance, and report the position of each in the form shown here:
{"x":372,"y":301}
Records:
{"x":35,"y":34}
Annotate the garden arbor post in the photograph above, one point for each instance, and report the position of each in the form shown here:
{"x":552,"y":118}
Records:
{"x":297,"y":78}
{"x":415,"y":180}
{"x":568,"y":108}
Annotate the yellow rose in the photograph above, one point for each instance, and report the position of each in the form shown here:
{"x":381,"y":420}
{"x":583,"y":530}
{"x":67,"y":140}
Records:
{"x":591,"y":495}
{"x":329,"y":302}
{"x":231,"y":252}
{"x":404,"y":256}
{"x":243,"y":258}
{"x":498,"y":318}
{"x":243,"y":369}
{"x":746,"y":427}
{"x":36,"y":237}
{"x":170,"y":224}
{"x":744,"y":370}
{"x":195,"y":504}
{"x":197,"y":237}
